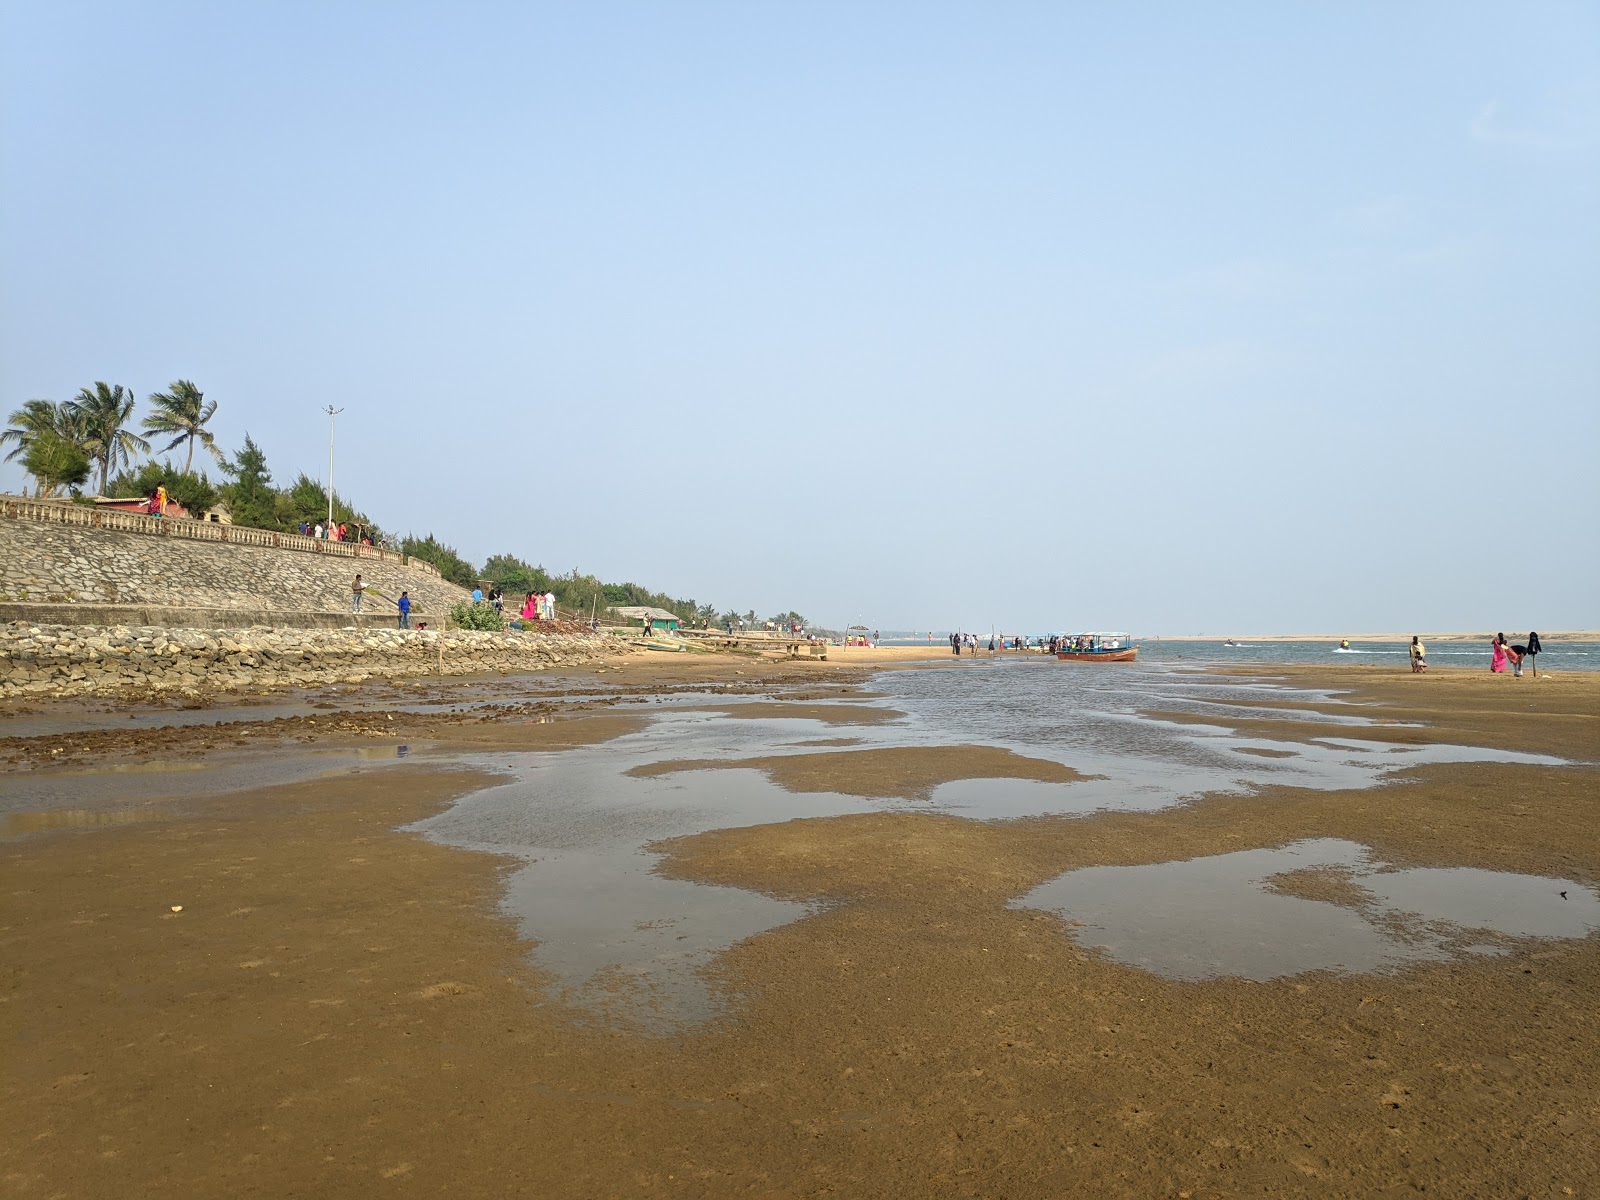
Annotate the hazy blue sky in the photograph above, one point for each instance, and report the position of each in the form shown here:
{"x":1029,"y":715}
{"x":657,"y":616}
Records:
{"x":1225,"y":317}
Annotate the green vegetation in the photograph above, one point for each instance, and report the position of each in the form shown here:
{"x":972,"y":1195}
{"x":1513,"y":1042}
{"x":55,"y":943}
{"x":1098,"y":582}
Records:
{"x":55,"y":462}
{"x":582,"y":594}
{"x":451,"y":565}
{"x":467,"y":615}
{"x":195,"y":492}
{"x":251,"y":498}
{"x":100,"y":415}
{"x":38,"y":418}
{"x":183,"y":411}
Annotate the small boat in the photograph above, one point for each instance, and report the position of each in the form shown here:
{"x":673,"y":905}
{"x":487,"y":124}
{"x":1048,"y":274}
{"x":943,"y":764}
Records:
{"x":1097,"y":647}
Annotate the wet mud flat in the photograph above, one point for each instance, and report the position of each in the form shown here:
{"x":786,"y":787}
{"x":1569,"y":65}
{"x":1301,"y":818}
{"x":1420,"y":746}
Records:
{"x":639,"y":942}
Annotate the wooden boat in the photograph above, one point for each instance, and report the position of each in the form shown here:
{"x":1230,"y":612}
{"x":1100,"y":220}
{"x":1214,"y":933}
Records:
{"x":1097,"y":647}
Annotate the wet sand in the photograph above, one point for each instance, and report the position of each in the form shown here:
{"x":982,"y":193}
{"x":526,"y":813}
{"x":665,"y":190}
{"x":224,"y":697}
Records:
{"x":900,"y":772}
{"x":344,"y":1009}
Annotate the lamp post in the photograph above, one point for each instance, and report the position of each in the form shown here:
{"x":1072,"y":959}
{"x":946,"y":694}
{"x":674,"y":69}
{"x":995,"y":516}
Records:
{"x":332,"y":413}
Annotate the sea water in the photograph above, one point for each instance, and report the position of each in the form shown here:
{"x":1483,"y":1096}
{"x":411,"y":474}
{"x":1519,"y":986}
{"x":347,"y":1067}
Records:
{"x":1557,"y":656}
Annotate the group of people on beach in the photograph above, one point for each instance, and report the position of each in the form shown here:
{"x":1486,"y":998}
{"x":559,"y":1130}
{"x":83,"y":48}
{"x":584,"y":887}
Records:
{"x":539,"y":608}
{"x":1503,"y":655}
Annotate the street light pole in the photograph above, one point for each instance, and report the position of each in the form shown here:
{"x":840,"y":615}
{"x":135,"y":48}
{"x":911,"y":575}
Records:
{"x":332,"y":413}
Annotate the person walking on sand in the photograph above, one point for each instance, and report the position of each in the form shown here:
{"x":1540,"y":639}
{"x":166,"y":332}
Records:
{"x":356,"y":588}
{"x":1419,"y":656}
{"x":404,"y":605}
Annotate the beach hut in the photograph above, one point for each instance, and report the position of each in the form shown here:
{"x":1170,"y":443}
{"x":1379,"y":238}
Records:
{"x":654,"y":619}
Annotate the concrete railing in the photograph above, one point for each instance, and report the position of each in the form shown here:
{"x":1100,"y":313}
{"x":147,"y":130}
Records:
{"x":16,"y":509}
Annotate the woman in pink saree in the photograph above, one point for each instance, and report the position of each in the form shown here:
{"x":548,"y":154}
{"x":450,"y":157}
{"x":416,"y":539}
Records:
{"x":530,"y":611}
{"x":1503,"y":656}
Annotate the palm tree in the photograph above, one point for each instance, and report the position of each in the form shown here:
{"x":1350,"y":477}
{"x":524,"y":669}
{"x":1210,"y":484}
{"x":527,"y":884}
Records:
{"x":40,"y":419}
{"x":103,"y":414}
{"x":183,"y":412}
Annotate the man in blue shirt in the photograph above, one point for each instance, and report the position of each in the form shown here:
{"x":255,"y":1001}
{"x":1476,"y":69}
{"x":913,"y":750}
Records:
{"x":404,"y":605}
{"x":477,"y":595}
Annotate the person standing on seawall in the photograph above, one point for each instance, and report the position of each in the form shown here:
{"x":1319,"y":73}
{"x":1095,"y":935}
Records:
{"x":404,"y":605}
{"x":1419,"y":656}
{"x":356,"y":588}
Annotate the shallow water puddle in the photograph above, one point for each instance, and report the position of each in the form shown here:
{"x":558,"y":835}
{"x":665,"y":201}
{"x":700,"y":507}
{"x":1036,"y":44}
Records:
{"x":625,"y":943}
{"x":1238,"y":914}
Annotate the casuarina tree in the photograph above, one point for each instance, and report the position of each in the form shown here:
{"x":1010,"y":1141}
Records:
{"x":40,"y":419}
{"x":103,"y":413}
{"x":54,"y":463}
{"x":251,"y":497}
{"x":182,"y":412}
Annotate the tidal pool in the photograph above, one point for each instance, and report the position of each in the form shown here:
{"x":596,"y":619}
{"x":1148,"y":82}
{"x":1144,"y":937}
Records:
{"x":1236,"y":914}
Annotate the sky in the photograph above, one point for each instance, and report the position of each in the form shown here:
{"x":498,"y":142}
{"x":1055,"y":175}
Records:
{"x":1226,"y":318}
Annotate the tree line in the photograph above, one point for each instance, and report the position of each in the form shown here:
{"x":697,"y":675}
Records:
{"x":94,"y":435}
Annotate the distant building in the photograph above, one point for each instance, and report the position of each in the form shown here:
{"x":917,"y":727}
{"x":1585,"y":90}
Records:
{"x":648,"y":618}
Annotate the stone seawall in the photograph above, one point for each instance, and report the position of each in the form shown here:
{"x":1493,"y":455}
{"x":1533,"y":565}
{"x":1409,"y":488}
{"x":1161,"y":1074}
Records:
{"x":62,"y":564}
{"x":373,"y":616}
{"x":63,"y":660}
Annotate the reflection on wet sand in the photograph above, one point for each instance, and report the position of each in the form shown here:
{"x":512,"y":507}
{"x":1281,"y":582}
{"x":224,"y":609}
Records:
{"x":41,"y":821}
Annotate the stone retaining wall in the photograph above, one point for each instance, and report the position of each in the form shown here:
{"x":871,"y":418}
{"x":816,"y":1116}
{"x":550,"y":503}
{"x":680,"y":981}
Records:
{"x":63,"y":660}
{"x":64,"y":564}
{"x":373,"y":616}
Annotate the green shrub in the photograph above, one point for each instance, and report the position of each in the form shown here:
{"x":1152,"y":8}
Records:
{"x":195,"y":492}
{"x":467,"y":615}
{"x":451,"y":565}
{"x":55,"y":463}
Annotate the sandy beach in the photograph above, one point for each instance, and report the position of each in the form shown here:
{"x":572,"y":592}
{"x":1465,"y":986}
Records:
{"x":267,"y":985}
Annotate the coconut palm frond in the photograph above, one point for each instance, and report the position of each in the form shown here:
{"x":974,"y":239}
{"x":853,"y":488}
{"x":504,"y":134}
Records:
{"x":183,"y":412}
{"x":104,"y":412}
